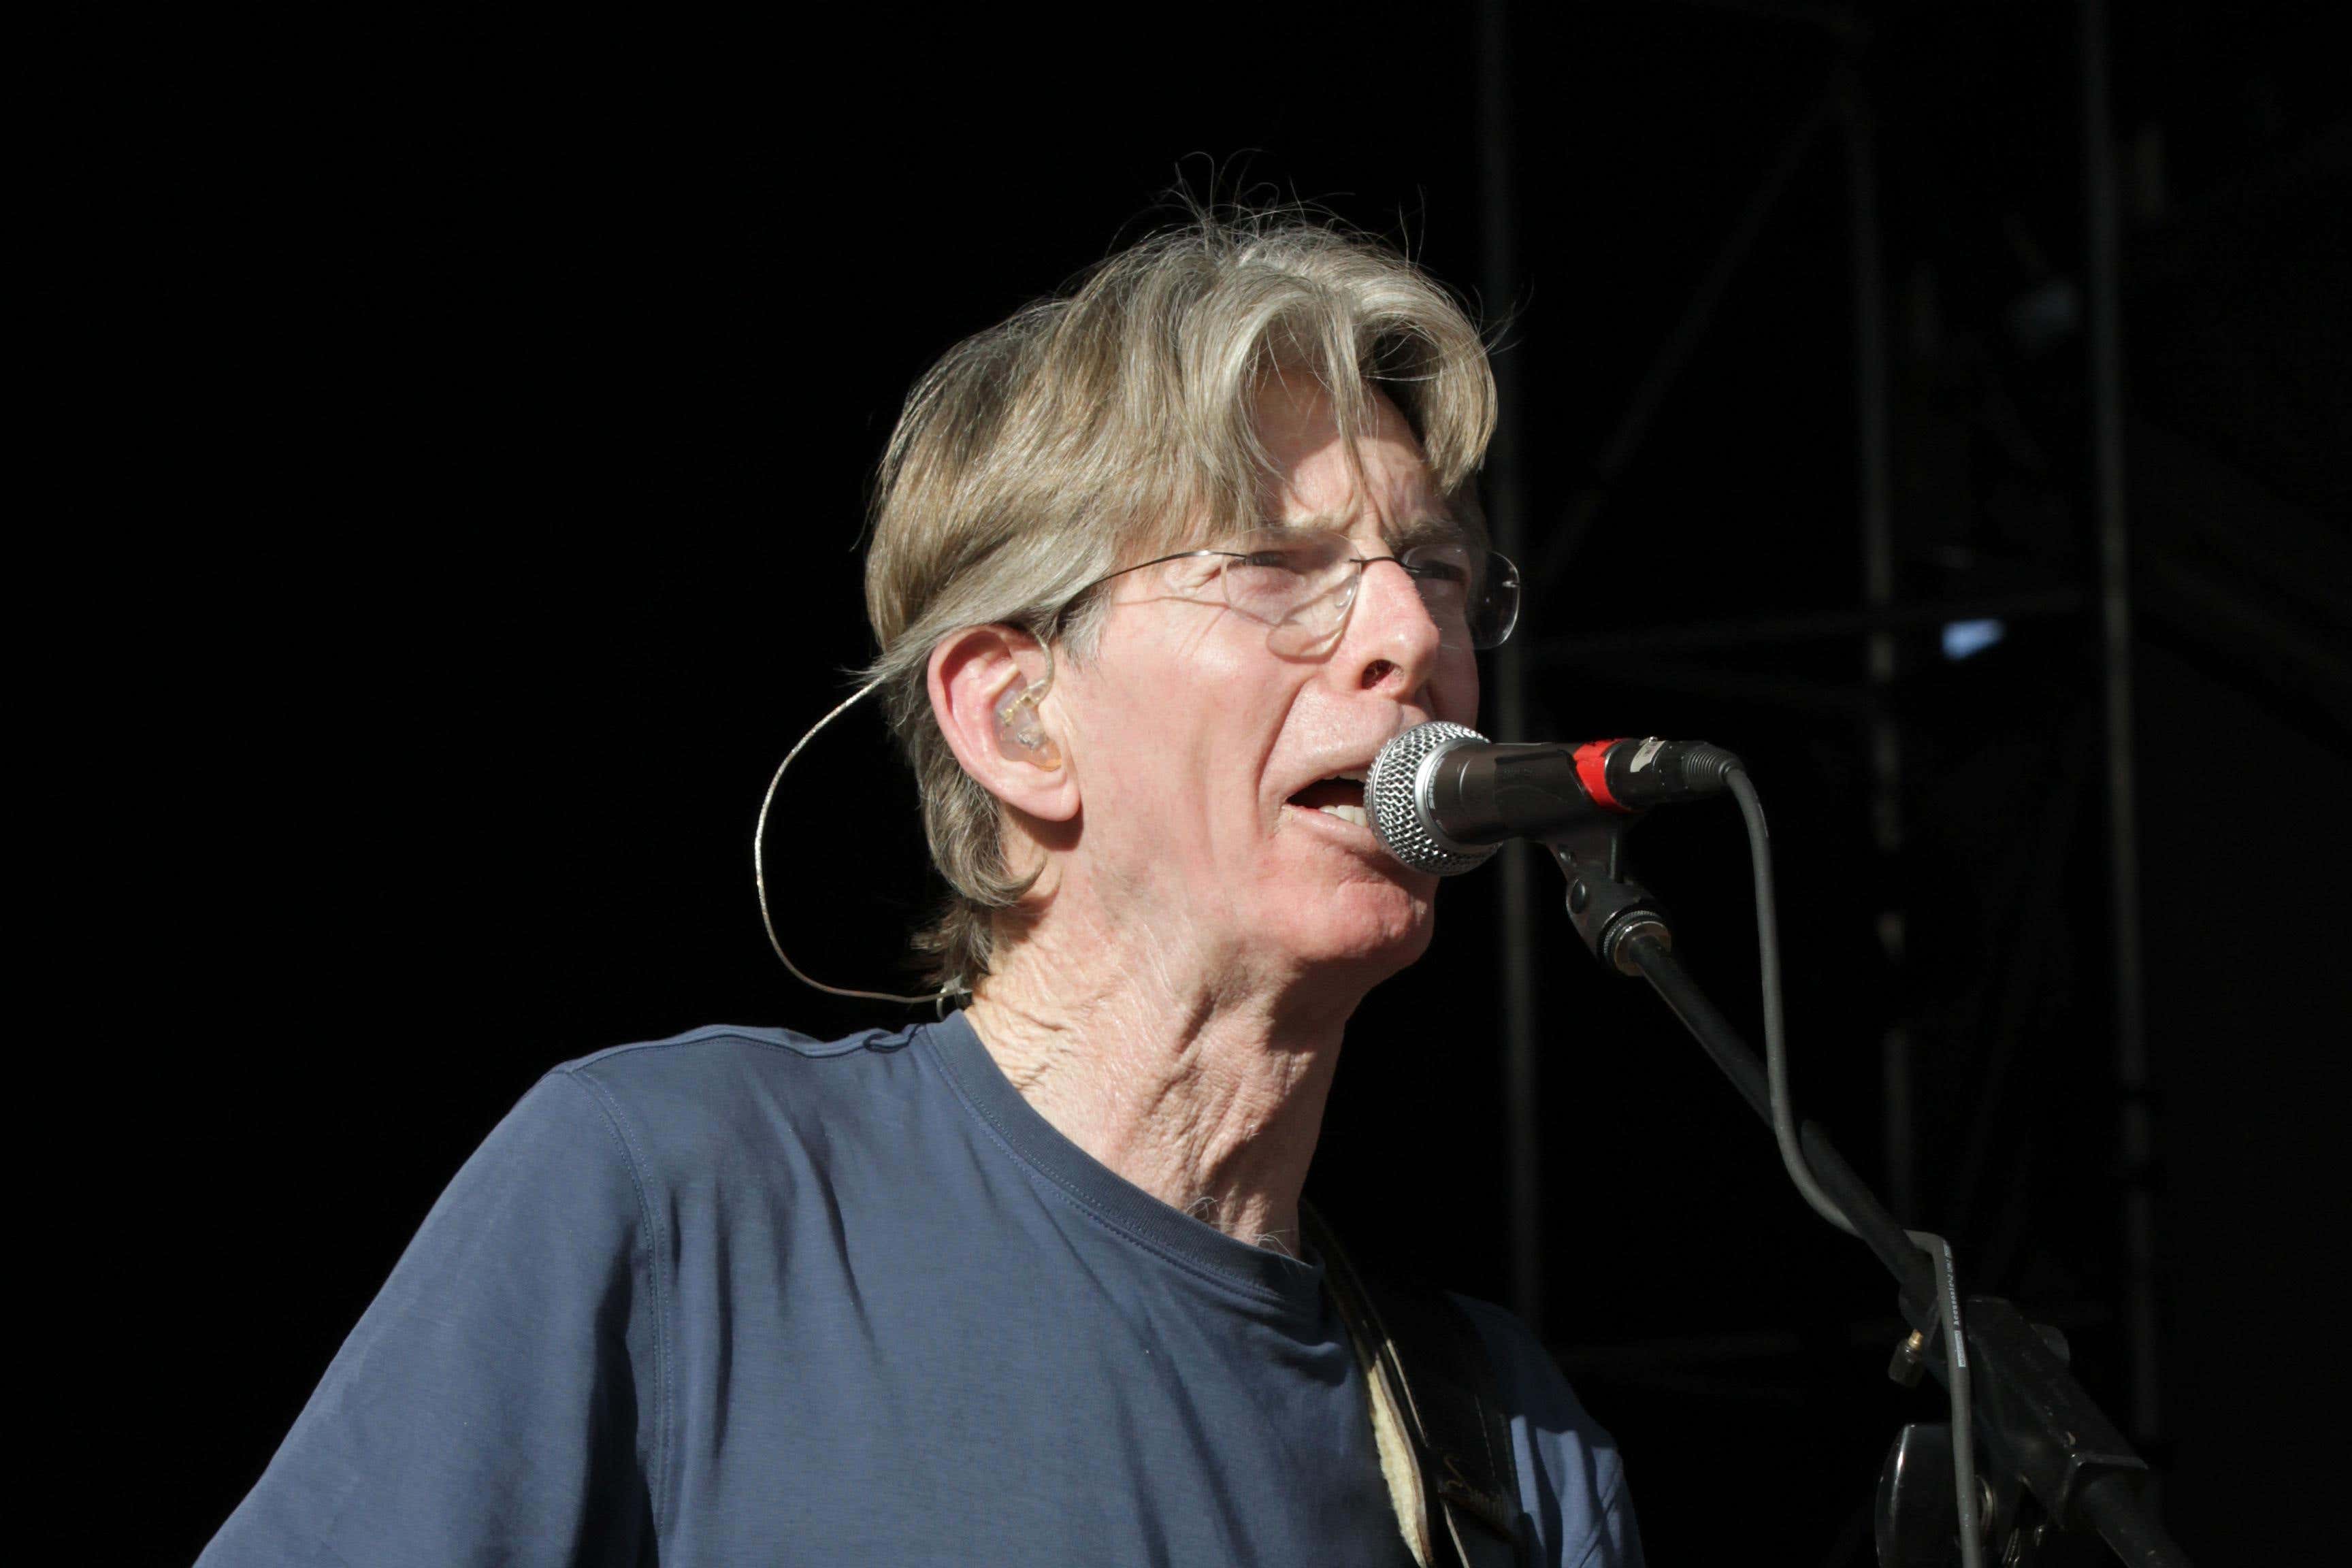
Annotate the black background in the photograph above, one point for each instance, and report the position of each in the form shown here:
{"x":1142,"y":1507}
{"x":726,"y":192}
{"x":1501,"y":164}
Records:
{"x":520,"y":390}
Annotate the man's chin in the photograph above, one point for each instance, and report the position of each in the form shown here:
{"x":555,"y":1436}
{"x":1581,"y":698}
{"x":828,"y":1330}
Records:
{"x":1380,"y":935}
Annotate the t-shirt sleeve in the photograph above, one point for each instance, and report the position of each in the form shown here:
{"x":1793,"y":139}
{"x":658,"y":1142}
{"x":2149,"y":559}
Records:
{"x":1571,"y":1482}
{"x":499,"y":1402}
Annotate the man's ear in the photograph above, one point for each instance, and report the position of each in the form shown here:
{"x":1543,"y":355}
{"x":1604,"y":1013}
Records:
{"x":989,"y":687}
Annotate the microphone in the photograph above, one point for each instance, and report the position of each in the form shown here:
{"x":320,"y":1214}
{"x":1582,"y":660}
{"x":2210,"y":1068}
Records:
{"x":1444,"y":797}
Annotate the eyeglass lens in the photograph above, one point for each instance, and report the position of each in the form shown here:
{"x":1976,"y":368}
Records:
{"x":1280,"y":576}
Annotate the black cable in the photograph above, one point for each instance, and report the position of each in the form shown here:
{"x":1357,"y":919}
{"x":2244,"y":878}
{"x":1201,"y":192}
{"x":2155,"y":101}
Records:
{"x":1776,"y":1044}
{"x":1792,"y":1158}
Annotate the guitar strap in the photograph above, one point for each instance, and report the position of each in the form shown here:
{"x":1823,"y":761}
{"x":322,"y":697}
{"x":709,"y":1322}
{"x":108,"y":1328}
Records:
{"x":1437,"y":1415}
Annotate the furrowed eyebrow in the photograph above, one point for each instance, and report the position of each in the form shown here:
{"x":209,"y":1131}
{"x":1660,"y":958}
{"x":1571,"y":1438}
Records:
{"x":1435,"y":527}
{"x":1428,"y":528}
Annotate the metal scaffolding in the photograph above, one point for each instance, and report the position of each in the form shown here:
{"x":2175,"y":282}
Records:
{"x":1674,"y":657}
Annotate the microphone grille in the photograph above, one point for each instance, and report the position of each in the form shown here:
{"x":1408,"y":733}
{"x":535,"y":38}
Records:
{"x":1391,"y":796}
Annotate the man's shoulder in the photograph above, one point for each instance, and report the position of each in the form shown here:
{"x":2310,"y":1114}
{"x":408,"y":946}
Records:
{"x":1531,"y":1380}
{"x":727,"y":1051}
{"x":726,"y":1083}
{"x":1576,"y":1492}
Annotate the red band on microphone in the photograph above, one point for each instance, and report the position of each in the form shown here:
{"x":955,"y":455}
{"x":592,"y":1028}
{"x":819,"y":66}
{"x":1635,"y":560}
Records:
{"x":1592,"y":773}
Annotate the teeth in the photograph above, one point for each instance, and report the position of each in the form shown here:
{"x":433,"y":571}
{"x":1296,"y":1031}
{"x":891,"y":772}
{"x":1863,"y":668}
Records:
{"x":1354,"y":814}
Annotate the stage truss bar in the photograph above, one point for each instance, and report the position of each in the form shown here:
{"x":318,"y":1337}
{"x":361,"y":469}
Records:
{"x":1506,"y":519}
{"x":1836,"y":700}
{"x":2028,"y":605}
{"x":1875,"y":503}
{"x":2136,"y":1132}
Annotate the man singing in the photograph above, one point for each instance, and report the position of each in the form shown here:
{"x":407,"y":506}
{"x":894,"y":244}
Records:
{"x":1156,"y":569}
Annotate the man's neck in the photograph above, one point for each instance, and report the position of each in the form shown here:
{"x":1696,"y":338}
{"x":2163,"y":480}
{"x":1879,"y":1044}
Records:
{"x":1208,"y":1095}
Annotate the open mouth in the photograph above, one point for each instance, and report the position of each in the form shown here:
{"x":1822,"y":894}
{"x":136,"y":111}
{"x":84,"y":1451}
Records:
{"x":1341,"y":795}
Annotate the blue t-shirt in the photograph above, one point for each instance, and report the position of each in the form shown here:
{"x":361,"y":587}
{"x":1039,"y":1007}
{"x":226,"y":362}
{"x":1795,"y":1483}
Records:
{"x":741,"y":1298}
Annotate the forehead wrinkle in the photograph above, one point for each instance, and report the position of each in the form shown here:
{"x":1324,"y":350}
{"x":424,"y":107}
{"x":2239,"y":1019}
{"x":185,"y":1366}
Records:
{"x":1423,"y":525}
{"x":1404,"y":499}
{"x":1332,"y":472}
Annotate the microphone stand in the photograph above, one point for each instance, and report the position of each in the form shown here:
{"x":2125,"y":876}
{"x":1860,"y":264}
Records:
{"x":2042,"y":1431}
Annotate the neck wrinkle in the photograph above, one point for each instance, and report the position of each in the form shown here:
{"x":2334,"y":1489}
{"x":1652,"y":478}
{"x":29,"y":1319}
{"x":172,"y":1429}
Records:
{"x":1204,"y":1091}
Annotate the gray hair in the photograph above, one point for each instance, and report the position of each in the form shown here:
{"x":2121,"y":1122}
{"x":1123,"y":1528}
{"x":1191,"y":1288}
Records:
{"x":1115,"y":423}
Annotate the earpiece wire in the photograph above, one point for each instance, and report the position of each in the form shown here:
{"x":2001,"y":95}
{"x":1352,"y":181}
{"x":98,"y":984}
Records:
{"x":760,"y":878}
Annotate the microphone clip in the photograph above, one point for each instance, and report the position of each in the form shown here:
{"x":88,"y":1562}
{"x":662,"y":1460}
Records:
{"x":1606,"y":906}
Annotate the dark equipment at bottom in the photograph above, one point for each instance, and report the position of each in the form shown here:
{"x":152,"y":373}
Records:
{"x":2054,"y":1458}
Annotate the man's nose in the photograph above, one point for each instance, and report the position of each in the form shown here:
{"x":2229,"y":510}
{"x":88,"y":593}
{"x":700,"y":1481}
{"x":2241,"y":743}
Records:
{"x":1390,"y":628}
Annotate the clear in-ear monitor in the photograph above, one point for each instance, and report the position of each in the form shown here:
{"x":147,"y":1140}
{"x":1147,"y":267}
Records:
{"x":1019,"y":719}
